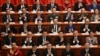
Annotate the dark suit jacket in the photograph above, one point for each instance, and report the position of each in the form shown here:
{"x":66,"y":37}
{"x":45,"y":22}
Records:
{"x":53,"y":16}
{"x":79,"y":18}
{"x":89,"y":27}
{"x":36,"y":29}
{"x":30,"y":53}
{"x":23,"y":20}
{"x":40,"y":40}
{"x":55,"y":5}
{"x":68,"y":27}
{"x":76,"y":6}
{"x":3,"y":29}
{"x":35,"y":16}
{"x":7,"y":40}
{"x":21,"y":29}
{"x":83,"y":52}
{"x":92,"y":7}
{"x":52,"y":27}
{"x":19,"y":7}
{"x":57,"y":41}
{"x":71,"y":41}
{"x":41,"y":7}
{"x":45,"y":52}
{"x":5,"y":18}
{"x":65,"y":53}
{"x":98,"y":28}
{"x":4,"y":7}
{"x":70,"y":18}
{"x":31,"y":43}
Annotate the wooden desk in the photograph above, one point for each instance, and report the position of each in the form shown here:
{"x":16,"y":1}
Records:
{"x":45,"y":14}
{"x":77,"y":50}
{"x":47,"y":25}
{"x":20,"y":37}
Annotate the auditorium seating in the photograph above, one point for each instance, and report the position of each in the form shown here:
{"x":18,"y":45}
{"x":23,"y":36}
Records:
{"x":19,"y":37}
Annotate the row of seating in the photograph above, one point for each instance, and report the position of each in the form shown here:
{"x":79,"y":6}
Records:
{"x":30,"y":8}
{"x":47,"y":26}
{"x":45,"y":15}
{"x":20,"y":37}
{"x":77,"y":50}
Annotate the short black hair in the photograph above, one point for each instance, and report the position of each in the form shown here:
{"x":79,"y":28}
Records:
{"x":9,"y":32}
{"x":36,"y":0}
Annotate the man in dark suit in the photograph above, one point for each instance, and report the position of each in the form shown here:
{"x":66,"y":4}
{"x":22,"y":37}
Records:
{"x":55,"y":27}
{"x":44,"y":39}
{"x":68,"y":51}
{"x":22,"y":5}
{"x":86,"y":27}
{"x":82,"y":16}
{"x":49,"y":51}
{"x":60,"y":40}
{"x":7,"y":27}
{"x":24,"y":28}
{"x":94,"y":5}
{"x":28,"y":41}
{"x":75,"y":40}
{"x":38,"y":6}
{"x":39,"y":28}
{"x":69,"y":15}
{"x":34,"y":51}
{"x":53,"y":15}
{"x":8,"y":17}
{"x":8,"y":39}
{"x":87,"y":51}
{"x":79,"y":4}
{"x":8,"y":5}
{"x":51,"y":5}
{"x":38,"y":17}
{"x":24,"y":16}
{"x":70,"y":28}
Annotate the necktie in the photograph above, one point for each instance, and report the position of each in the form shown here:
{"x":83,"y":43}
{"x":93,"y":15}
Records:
{"x":52,"y":5}
{"x":94,"y":6}
{"x":7,"y":5}
{"x":39,"y":27}
{"x":28,"y":42}
{"x":44,"y":39}
{"x":68,"y":15}
{"x":7,"y":29}
{"x":38,"y":7}
{"x":91,"y":41}
{"x":22,"y":6}
{"x":10,"y":40}
{"x":8,"y":18}
{"x":25,"y":29}
{"x":55,"y":28}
